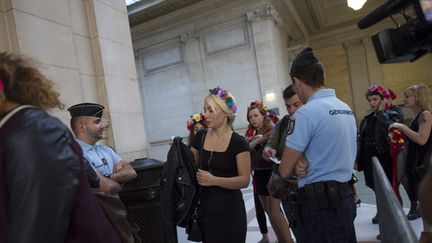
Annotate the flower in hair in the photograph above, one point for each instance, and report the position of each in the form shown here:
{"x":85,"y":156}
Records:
{"x":224,"y":95}
{"x":258,"y":104}
{"x":273,"y":116}
{"x":2,"y":87}
{"x":195,"y":118}
{"x":392,"y":94}
{"x":380,"y":90}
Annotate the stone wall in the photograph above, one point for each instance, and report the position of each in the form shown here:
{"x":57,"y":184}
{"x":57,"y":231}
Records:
{"x":85,"y":47}
{"x":351,"y":67}
{"x":234,"y":44}
{"x":246,"y":47}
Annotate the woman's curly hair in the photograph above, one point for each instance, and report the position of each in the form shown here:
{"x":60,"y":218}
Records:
{"x":25,"y":85}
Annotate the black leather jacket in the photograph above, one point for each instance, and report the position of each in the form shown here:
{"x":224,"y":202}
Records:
{"x":178,"y":189}
{"x":44,"y":196}
{"x":384,"y":119}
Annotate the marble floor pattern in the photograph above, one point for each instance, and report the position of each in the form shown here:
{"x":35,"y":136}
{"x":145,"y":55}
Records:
{"x":366,"y":231}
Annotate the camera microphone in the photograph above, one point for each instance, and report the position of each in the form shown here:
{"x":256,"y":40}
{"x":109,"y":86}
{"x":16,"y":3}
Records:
{"x":386,"y":9}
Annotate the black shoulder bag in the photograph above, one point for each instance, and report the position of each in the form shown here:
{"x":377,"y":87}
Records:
{"x":277,"y":186}
{"x":193,"y":229}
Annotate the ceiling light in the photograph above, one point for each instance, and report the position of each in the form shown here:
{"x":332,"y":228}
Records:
{"x":268,"y":97}
{"x":356,"y":4}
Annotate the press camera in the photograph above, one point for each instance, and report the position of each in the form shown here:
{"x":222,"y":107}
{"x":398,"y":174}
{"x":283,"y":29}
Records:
{"x":405,"y":42}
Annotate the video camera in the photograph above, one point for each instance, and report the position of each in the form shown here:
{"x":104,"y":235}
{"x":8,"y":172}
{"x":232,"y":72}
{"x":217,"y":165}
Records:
{"x":406,"y":42}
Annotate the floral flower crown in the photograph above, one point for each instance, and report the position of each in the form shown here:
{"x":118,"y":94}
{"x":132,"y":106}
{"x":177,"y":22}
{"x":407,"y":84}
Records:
{"x":195,"y":118}
{"x":270,"y":114}
{"x":383,"y":92}
{"x":273,"y":116}
{"x":258,"y":104}
{"x":224,"y":95}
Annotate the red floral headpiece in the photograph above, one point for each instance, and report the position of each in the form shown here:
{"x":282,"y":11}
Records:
{"x":195,"y":118}
{"x":273,"y":116}
{"x":381,"y":91}
{"x":393,"y":95}
{"x":376,"y":89}
{"x":260,"y":105}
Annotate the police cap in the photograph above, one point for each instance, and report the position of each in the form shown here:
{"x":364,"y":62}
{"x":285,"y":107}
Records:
{"x":304,"y":58}
{"x":86,"y":109}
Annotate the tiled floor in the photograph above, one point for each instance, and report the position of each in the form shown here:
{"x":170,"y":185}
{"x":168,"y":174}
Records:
{"x":366,"y":231}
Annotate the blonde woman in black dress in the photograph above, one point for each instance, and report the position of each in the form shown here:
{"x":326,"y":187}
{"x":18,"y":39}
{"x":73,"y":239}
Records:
{"x":224,"y":170}
{"x":418,"y":97}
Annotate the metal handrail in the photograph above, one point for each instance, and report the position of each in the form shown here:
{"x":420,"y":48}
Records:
{"x":393,"y":224}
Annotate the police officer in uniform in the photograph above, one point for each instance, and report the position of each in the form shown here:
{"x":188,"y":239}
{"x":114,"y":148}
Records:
{"x":110,"y":169}
{"x":87,"y":125}
{"x":324,"y":134}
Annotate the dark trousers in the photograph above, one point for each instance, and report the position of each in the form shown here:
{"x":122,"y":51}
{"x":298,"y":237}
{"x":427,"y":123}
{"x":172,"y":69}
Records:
{"x":328,"y":225}
{"x":290,"y":208}
{"x":260,"y":215}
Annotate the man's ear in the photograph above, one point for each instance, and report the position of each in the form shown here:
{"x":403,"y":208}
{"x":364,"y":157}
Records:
{"x":296,"y":82}
{"x":82,"y":126}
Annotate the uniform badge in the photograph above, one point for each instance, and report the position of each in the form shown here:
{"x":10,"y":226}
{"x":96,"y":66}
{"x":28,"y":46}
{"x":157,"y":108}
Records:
{"x":291,"y":125}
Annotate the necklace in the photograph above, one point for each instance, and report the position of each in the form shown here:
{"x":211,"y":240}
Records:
{"x":209,"y":160}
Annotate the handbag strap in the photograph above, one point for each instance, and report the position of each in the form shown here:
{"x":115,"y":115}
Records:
{"x":200,"y":167}
{"x":201,"y":149}
{"x":13,"y":112}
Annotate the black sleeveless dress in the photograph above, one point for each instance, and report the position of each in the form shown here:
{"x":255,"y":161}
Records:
{"x":223,"y":210}
{"x":415,"y":156}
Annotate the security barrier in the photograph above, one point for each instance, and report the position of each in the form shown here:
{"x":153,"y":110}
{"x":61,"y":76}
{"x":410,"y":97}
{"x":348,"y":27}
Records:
{"x":393,"y":224}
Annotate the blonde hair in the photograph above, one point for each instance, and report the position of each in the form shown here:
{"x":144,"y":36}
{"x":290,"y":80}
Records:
{"x":422,"y":95}
{"x":217,"y":104}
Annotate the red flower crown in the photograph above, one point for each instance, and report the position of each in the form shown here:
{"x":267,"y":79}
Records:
{"x":260,"y":105}
{"x":383,"y":92}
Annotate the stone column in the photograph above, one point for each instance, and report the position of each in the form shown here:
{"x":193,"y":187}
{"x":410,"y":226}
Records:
{"x":375,"y":70}
{"x":116,"y":76}
{"x":193,"y":61}
{"x":359,"y":75}
{"x":266,"y":39}
{"x":85,"y":47}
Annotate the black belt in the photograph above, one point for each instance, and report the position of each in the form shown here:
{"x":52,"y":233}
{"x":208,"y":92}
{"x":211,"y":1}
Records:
{"x":323,"y":195}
